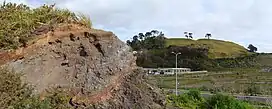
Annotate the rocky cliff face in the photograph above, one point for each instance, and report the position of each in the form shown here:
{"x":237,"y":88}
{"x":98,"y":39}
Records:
{"x":134,"y":93}
{"x":95,"y":66}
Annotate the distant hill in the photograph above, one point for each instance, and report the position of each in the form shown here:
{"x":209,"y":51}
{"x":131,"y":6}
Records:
{"x":217,"y":48}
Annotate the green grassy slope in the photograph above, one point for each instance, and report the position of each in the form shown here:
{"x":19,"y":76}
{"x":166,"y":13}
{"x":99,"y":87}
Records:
{"x":217,"y":48}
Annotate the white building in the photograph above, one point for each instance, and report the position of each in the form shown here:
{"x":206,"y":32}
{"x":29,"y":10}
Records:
{"x":167,"y":71}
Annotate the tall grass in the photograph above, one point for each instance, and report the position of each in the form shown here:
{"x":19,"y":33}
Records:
{"x":19,"y":20}
{"x":84,"y":20}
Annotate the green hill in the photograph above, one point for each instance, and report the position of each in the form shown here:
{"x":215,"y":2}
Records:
{"x":217,"y":48}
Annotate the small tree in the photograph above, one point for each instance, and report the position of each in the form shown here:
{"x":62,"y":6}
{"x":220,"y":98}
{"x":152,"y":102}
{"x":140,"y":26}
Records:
{"x":208,"y":35}
{"x":186,"y":35}
{"x":191,"y":35}
{"x":252,"y":48}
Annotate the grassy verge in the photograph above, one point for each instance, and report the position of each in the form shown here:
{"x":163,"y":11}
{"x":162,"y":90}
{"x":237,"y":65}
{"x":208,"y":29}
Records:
{"x":193,"y":100}
{"x":239,"y":81}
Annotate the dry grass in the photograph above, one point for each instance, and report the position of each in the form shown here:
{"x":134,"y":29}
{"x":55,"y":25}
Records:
{"x":18,"y":21}
{"x":84,"y":20}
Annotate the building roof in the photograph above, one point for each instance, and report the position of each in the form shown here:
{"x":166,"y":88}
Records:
{"x":166,"y":68}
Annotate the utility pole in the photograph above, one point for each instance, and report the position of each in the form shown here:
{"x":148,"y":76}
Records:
{"x":176,"y":71}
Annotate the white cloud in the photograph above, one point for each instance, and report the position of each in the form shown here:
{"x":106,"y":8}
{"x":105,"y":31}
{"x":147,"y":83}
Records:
{"x":241,"y":21}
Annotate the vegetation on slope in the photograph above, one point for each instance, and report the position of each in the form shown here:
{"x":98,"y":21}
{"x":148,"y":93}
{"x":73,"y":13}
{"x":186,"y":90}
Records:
{"x":217,"y":48}
{"x":193,"y":100}
{"x":14,"y":94}
{"x":235,"y":81}
{"x":18,"y":22}
{"x":205,"y":54}
{"x":18,"y":25}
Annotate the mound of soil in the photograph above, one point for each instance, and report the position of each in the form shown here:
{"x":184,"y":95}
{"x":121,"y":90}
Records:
{"x":97,"y":68}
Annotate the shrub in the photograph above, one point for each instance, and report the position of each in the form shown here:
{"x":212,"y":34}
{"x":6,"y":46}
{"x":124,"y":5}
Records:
{"x":194,"y":100}
{"x":189,"y":100}
{"x":33,"y":103}
{"x":58,"y":99}
{"x":14,"y":94}
{"x":220,"y":101}
{"x":195,"y":95}
{"x":12,"y":90}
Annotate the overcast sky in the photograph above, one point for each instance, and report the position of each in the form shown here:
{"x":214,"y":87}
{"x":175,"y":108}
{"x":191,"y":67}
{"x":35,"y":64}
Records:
{"x":241,"y":21}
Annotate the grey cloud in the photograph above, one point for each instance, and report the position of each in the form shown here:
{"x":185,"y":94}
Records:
{"x":241,"y":21}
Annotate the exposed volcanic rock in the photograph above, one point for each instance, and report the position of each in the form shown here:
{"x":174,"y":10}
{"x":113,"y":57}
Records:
{"x":94,"y":65}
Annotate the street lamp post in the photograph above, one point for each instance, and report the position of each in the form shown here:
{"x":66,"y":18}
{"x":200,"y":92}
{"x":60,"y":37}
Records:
{"x":176,"y":71}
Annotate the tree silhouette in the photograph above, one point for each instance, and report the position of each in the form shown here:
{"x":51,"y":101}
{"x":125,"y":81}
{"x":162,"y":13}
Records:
{"x":147,"y":34}
{"x":155,"y":32}
{"x":252,"y":48}
{"x":141,"y":36}
{"x":135,"y":38}
{"x":191,"y":35}
{"x":186,"y":35}
{"x":149,"y":40}
{"x":208,"y":35}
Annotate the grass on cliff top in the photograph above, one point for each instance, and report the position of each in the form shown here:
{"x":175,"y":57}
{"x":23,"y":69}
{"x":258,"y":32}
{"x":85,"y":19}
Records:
{"x":19,"y":20}
{"x":217,"y":48}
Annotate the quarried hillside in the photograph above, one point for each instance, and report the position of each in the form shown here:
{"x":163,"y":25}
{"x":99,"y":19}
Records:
{"x":57,"y":51}
{"x":94,"y":66}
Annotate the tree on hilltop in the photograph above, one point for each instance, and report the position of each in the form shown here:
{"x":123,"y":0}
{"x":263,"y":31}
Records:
{"x":150,"y":40}
{"x":186,"y":35}
{"x":208,"y":35}
{"x":252,"y":48}
{"x":190,"y":35}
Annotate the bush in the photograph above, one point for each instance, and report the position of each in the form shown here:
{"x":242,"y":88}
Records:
{"x":220,"y":101}
{"x":194,"y":100}
{"x":14,"y":94}
{"x":12,"y":90}
{"x":195,"y":95}
{"x":33,"y":103}
{"x":189,"y":100}
{"x":58,"y":99}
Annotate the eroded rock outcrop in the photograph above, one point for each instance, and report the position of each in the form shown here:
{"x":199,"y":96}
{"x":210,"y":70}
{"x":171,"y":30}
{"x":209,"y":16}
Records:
{"x":134,"y":93}
{"x":94,"y":65}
